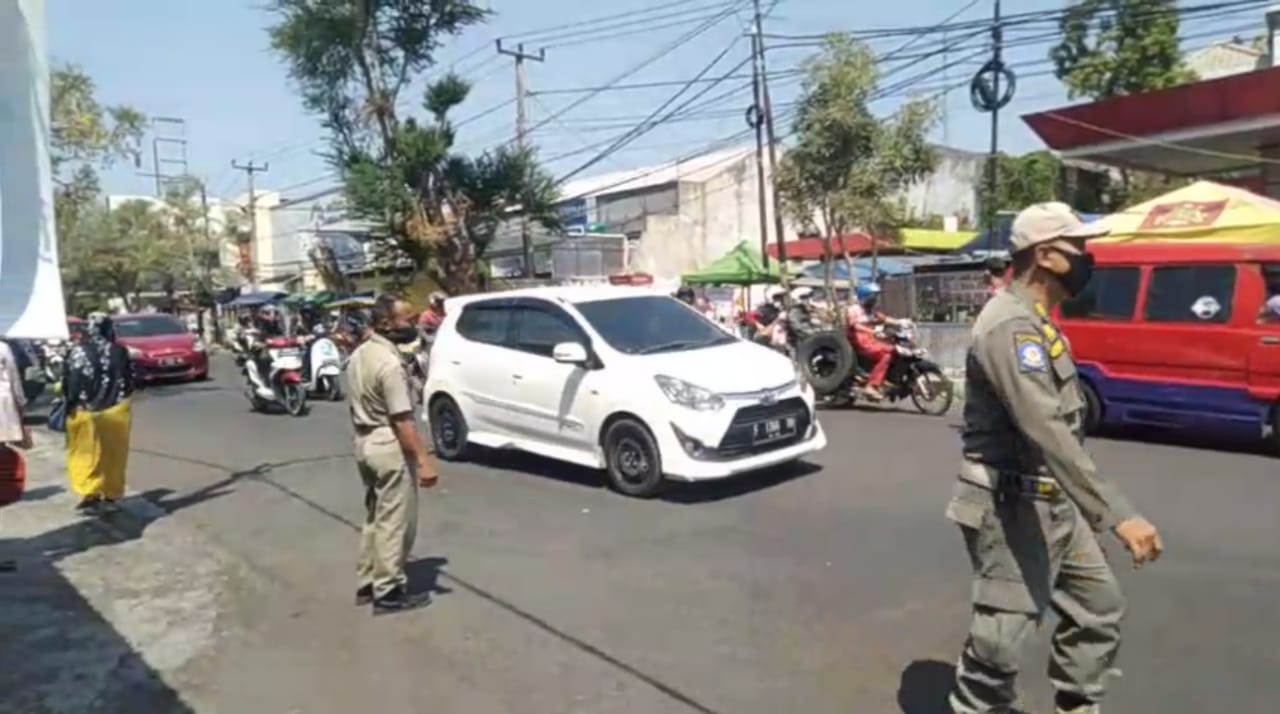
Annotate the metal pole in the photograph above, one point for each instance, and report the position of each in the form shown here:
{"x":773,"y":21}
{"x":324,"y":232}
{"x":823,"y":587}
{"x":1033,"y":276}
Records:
{"x":993,"y":159}
{"x":522,"y":141}
{"x":250,"y":169}
{"x":779,"y":234}
{"x":758,"y":122}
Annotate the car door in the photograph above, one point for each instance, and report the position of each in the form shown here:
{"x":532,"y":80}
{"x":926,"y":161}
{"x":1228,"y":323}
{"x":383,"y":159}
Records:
{"x":554,"y":399}
{"x":480,"y":361}
{"x":1198,"y":353}
{"x":1259,"y":284}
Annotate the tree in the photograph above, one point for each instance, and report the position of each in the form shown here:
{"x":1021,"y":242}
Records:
{"x":1114,"y":47}
{"x":85,"y":137}
{"x":1022,"y":181}
{"x":848,"y":168}
{"x":351,"y":60}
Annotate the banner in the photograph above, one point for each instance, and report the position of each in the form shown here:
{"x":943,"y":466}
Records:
{"x":31,"y":304}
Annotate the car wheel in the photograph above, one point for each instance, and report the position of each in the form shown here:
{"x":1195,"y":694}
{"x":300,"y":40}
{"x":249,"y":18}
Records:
{"x":1092,"y":409}
{"x":632,"y":460}
{"x":448,"y":429}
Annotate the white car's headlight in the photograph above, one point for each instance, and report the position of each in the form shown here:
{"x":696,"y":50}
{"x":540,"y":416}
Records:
{"x":688,"y":395}
{"x":198,"y":345}
{"x":134,"y":352}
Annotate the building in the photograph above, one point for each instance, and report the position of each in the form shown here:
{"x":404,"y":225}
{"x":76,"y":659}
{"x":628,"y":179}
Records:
{"x":1225,"y":126}
{"x":682,"y":215}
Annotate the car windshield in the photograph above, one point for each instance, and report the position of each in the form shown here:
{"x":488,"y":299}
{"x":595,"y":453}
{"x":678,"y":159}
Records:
{"x":148,"y":326}
{"x":651,"y":324}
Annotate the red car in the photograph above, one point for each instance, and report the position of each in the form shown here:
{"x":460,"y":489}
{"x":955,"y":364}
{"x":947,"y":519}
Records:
{"x":161,"y":348}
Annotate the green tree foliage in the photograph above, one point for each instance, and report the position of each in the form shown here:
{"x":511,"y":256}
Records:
{"x":1114,"y":47}
{"x":1022,"y":181}
{"x":848,"y":168}
{"x":86,"y":136}
{"x":352,"y":60}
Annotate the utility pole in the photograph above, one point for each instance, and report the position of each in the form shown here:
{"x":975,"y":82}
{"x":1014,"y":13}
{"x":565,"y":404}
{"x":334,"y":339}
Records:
{"x":779,"y":234}
{"x":522,"y":139}
{"x":250,"y":169}
{"x":206,"y":269}
{"x":756,"y":121}
{"x":993,"y":159}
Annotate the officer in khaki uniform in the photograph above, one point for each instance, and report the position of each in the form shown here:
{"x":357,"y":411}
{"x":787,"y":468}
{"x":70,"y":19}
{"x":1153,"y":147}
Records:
{"x":1029,"y":498}
{"x":387,"y":446}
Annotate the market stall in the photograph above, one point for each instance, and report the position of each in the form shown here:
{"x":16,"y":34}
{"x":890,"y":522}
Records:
{"x":1203,"y":212}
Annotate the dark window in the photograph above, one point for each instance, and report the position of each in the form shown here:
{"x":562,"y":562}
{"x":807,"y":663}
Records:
{"x":150,"y":326}
{"x":538,"y":331}
{"x":1111,"y":294}
{"x":651,"y":324}
{"x":487,"y":324}
{"x":1199,"y":294}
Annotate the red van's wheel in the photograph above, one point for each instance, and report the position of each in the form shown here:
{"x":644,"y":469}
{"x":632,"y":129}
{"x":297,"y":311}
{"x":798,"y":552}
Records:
{"x":1092,"y":409}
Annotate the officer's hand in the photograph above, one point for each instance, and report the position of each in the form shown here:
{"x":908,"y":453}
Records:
{"x":1141,"y":538}
{"x":428,"y":477}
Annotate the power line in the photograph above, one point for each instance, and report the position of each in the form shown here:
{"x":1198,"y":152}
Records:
{"x":555,"y":32}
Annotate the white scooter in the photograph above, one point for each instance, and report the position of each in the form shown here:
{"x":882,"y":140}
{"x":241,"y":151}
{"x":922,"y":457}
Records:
{"x":322,"y":370}
{"x":283,"y":384}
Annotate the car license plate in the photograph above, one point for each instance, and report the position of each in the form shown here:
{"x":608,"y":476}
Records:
{"x":764,"y":432}
{"x":170,"y":361}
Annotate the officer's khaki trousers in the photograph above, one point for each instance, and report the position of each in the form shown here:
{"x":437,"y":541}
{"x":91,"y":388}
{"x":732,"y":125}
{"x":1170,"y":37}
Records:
{"x":1029,"y":556}
{"x":390,"y":512}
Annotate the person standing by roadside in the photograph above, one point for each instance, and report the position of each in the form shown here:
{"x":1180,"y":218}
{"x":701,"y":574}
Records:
{"x":97,"y":387}
{"x":13,"y":404}
{"x":1029,"y":497}
{"x":389,"y":453}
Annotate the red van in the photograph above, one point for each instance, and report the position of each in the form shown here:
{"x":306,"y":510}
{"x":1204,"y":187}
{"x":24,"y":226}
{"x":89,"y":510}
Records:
{"x":1178,"y":336}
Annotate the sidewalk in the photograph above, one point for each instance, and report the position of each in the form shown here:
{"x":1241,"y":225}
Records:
{"x":108,"y":614}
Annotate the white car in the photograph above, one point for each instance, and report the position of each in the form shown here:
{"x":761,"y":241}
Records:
{"x":621,"y":379}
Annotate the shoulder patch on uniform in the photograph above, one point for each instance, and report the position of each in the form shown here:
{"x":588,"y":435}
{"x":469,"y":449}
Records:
{"x":1031,"y":354}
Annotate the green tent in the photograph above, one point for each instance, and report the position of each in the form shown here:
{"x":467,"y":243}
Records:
{"x":740,"y":266}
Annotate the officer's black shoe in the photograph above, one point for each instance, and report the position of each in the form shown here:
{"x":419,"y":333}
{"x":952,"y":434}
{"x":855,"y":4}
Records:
{"x":399,"y":600}
{"x":364,"y":595}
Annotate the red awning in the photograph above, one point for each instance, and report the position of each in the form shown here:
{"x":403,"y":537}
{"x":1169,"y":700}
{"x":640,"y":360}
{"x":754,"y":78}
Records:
{"x":1204,"y":127}
{"x":815,"y":249}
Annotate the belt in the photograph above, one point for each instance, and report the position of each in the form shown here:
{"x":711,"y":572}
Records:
{"x":367,"y":430}
{"x":1006,"y":482}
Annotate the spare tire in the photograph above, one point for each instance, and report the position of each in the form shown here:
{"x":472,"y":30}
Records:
{"x":827,"y":359}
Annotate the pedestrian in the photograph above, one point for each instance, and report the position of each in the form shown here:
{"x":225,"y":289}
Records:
{"x":1029,"y":498}
{"x":13,"y":404}
{"x":97,"y":386}
{"x":389,"y":453}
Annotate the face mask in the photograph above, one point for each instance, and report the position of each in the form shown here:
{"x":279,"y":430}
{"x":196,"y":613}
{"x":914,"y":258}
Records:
{"x":1079,"y":270}
{"x":400,"y":335}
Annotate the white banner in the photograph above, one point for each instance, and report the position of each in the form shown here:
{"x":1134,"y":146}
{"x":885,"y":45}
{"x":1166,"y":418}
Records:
{"x":31,"y":304}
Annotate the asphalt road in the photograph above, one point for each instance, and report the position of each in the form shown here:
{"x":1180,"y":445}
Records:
{"x":833,"y":587}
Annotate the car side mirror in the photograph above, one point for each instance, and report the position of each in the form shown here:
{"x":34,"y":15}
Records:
{"x":569,"y":353}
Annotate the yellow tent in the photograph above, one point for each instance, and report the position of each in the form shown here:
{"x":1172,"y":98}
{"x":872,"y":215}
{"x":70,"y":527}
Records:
{"x":1203,"y":212}
{"x":922,"y":239}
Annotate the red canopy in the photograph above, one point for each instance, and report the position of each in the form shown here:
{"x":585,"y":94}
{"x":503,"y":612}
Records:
{"x":813,"y":248}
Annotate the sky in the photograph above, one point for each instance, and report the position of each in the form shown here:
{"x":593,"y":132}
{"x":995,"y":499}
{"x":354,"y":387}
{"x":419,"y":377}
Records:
{"x":210,"y":64}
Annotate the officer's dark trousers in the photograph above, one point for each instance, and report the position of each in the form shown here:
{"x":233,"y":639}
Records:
{"x":1028,"y":556}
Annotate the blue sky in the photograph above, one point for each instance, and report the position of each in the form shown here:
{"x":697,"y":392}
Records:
{"x":209,"y":63}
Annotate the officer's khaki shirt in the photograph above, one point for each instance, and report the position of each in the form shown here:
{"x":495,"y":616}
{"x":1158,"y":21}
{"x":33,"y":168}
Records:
{"x":379,"y":385}
{"x":1024,"y":411}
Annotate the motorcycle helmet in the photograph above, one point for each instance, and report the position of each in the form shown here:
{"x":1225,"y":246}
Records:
{"x":437,"y":299}
{"x":801,"y":294}
{"x":867,"y":291}
{"x":685,"y":294}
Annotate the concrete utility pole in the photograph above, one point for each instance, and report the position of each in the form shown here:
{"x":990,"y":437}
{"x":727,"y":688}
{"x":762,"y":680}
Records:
{"x":522,"y":138}
{"x":767,"y":108}
{"x":756,"y":121}
{"x":250,"y":169}
{"x":993,"y":162}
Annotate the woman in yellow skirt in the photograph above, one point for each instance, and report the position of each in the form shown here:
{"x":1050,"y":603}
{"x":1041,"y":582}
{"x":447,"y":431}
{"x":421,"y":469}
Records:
{"x":97,"y":385}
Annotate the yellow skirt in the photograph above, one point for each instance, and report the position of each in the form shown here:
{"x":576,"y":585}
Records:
{"x":98,"y":451}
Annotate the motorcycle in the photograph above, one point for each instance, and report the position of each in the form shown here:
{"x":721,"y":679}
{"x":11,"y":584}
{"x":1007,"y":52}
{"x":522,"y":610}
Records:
{"x":283,"y":384}
{"x":838,"y":373}
{"x":52,"y":355}
{"x":322,"y":367}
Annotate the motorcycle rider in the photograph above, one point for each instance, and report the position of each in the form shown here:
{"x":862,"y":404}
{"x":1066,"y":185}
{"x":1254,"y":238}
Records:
{"x":267,"y":323}
{"x":800,"y":316}
{"x":862,"y":319}
{"x":686,"y":295}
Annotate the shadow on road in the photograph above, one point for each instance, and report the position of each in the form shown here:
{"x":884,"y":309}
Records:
{"x":675,"y":491}
{"x":924,"y":686}
{"x":424,"y":576}
{"x":59,"y":654}
{"x":164,"y":391}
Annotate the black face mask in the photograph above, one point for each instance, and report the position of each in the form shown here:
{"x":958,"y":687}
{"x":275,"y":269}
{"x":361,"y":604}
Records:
{"x":1079,"y":270}
{"x":400,"y":335}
